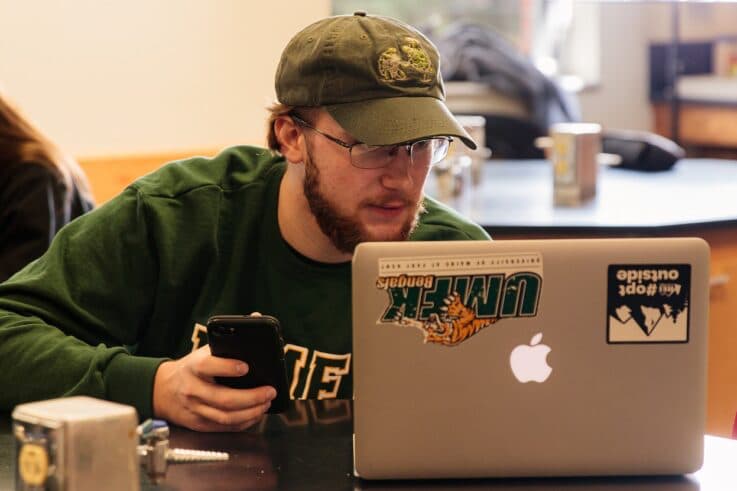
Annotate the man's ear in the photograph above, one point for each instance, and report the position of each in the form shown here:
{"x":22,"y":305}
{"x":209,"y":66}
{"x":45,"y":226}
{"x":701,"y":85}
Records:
{"x":290,"y":138}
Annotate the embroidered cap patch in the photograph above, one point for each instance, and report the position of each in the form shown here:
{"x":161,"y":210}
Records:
{"x":411,"y":63}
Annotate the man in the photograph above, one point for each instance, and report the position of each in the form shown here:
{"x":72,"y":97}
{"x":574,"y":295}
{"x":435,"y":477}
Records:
{"x":115,"y":308}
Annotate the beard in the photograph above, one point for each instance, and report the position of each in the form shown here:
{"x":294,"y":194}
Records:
{"x":346,"y":232}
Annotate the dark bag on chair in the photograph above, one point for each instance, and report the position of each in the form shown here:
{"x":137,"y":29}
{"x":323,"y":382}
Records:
{"x":641,"y":150}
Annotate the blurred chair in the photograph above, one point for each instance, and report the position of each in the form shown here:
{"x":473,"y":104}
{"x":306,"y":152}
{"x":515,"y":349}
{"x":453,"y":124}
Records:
{"x":487,"y":76}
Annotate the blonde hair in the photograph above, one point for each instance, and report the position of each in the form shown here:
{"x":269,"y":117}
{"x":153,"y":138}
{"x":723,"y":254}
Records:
{"x":277,"y":110}
{"x":20,"y":141}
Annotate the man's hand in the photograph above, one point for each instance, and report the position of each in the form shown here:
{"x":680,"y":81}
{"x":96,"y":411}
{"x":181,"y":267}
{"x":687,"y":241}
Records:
{"x":186,"y":394}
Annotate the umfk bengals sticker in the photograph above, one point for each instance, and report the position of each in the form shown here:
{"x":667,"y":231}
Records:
{"x":648,"y":303}
{"x":451,"y":299}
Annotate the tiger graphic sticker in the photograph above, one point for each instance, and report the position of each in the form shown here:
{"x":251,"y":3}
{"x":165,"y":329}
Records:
{"x":451,"y":299}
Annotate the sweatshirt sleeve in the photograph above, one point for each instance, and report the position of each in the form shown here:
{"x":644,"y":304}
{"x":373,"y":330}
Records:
{"x":69,"y":322}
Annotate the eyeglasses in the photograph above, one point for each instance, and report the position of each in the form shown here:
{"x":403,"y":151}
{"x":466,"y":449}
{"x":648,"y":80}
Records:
{"x":423,"y":152}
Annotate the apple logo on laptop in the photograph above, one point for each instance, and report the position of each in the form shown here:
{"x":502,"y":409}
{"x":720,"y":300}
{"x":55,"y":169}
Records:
{"x":529,"y":362}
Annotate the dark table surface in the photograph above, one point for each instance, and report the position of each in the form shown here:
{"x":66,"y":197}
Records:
{"x":310,"y":448}
{"x":517,"y":195}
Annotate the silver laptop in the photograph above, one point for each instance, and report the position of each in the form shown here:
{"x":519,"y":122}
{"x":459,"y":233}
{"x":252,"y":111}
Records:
{"x":529,"y":358}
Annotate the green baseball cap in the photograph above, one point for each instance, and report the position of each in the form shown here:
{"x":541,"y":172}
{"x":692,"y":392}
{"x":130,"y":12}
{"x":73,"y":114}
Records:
{"x":379,"y":78}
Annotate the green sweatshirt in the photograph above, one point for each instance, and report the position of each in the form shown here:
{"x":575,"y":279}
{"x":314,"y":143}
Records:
{"x":131,"y":284}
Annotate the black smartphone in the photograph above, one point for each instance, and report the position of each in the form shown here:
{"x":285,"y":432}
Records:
{"x":257,"y":340}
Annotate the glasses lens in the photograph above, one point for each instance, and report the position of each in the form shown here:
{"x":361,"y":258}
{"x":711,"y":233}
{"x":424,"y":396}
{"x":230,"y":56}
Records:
{"x":372,"y":156}
{"x":422,"y":152}
{"x":430,"y":151}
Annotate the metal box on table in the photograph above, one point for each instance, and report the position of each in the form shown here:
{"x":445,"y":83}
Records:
{"x":76,"y":443}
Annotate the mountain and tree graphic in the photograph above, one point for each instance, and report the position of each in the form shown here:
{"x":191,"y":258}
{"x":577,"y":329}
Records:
{"x":648,"y":303}
{"x":648,"y":316}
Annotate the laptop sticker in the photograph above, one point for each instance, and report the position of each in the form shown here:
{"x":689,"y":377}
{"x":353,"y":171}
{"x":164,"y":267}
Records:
{"x":450,"y":299}
{"x":648,"y":303}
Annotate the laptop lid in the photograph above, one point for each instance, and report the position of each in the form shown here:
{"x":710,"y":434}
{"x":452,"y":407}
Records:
{"x":529,"y":358}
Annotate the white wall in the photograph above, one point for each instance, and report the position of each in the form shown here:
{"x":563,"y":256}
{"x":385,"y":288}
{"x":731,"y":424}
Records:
{"x":107,"y":77}
{"x":620,"y":100}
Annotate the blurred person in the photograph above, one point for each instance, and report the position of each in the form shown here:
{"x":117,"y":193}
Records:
{"x":41,"y":190}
